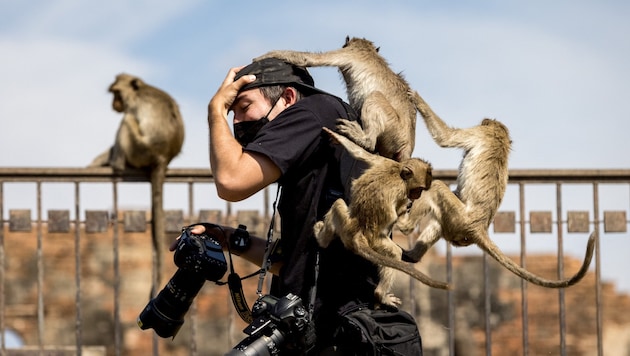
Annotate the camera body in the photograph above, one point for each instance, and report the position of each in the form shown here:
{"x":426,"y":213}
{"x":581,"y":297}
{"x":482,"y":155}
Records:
{"x":199,"y":258}
{"x":279,"y":323}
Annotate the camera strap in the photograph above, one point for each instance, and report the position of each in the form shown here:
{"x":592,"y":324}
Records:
{"x":313,"y":291}
{"x":234,"y":280}
{"x":267,"y":256}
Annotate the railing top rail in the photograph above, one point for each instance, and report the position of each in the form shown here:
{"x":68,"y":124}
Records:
{"x":105,"y":174}
{"x":100,"y":174}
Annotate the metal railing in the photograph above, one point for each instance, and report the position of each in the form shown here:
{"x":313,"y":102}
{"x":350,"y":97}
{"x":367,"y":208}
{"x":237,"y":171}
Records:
{"x":515,"y":222}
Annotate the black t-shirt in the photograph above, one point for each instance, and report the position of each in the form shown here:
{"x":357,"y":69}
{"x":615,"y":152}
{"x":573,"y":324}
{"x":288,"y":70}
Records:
{"x":315,"y":173}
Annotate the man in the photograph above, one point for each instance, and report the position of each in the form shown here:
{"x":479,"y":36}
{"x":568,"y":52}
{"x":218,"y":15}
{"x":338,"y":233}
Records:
{"x":278,"y":120}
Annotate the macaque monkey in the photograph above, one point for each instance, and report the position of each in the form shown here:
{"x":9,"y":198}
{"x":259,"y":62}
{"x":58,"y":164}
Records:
{"x":378,"y":197}
{"x":379,"y":95}
{"x":462,"y":217}
{"x":150,"y":135}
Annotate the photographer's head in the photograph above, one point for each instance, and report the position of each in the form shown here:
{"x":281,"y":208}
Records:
{"x":278,"y":85}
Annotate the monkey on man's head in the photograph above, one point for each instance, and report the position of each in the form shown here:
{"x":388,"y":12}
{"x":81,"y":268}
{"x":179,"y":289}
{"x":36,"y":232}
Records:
{"x":388,"y":116}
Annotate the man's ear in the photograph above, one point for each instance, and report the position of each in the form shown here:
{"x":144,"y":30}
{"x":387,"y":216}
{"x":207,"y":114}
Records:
{"x":290,"y":96}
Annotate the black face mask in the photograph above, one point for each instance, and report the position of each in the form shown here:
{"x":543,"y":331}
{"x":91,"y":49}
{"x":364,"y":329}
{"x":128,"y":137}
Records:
{"x":245,"y":131}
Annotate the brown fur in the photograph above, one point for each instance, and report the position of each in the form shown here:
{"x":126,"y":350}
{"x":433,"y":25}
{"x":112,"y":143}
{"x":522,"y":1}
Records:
{"x":150,"y":135}
{"x":379,"y":196}
{"x":462,"y":217}
{"x":374,"y":90}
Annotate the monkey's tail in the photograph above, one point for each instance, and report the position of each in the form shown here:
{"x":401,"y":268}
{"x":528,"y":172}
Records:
{"x":158,"y":223}
{"x":436,"y":126}
{"x":493,"y":250}
{"x":423,"y":108}
{"x":363,"y":249}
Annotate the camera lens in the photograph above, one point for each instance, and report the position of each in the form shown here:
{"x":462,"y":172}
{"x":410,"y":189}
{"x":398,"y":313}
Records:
{"x":165,"y":313}
{"x":263,"y":345}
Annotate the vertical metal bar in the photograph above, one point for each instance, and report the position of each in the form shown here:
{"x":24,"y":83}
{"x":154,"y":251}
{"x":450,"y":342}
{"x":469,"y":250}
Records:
{"x":40,"y":272}
{"x":598,"y":284}
{"x":193,"y":308}
{"x":487,"y":306}
{"x":2,"y":293}
{"x":561,"y":304}
{"x":117,"y":327}
{"x":77,"y":266}
{"x":524,"y":305}
{"x":450,"y":299}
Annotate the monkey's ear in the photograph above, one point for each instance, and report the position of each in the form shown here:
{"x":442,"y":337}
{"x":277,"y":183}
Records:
{"x":406,"y":173}
{"x":347,"y":42}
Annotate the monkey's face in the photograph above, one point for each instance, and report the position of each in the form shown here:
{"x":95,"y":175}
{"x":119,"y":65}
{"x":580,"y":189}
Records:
{"x":417,"y":175}
{"x":360,"y":43}
{"x":124,"y":88}
{"x":415,"y":193}
{"x":117,"y":104}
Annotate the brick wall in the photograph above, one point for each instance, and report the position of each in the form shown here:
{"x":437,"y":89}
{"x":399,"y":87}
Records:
{"x":219,"y":329}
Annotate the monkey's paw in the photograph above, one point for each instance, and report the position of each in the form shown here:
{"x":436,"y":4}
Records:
{"x":353,"y":131}
{"x":321,"y":235}
{"x":391,"y":300}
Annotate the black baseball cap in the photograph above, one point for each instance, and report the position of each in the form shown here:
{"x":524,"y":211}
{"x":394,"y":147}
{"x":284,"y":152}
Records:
{"x":273,"y":71}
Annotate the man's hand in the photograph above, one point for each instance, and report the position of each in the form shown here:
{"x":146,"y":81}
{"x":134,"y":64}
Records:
{"x":226,"y":94}
{"x":221,"y":234}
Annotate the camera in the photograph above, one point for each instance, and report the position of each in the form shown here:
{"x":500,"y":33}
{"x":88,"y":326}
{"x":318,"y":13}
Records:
{"x":279,"y":324}
{"x":199,"y":258}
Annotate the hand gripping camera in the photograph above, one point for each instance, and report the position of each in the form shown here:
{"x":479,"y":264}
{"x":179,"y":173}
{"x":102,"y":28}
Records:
{"x":199,"y":258}
{"x":279,"y":324}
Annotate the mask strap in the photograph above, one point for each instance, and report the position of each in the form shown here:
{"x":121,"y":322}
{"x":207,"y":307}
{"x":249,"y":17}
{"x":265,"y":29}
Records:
{"x":272,"y":106}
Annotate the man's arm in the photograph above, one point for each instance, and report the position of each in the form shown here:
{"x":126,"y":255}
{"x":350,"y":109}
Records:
{"x":237,"y":174}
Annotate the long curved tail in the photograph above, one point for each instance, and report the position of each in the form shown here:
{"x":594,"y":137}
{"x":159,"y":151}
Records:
{"x":158,"y":225}
{"x":363,"y":249}
{"x":493,"y":250}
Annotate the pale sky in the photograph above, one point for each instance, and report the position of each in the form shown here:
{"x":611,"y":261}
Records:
{"x":556,"y":73}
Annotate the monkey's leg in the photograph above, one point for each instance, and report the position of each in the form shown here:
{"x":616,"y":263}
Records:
{"x":138,"y":150}
{"x":123,"y":145}
{"x":332,"y":224}
{"x":428,"y":237}
{"x":387,"y":247}
{"x":102,"y":160}
{"x":448,"y":217}
{"x":375,"y":112}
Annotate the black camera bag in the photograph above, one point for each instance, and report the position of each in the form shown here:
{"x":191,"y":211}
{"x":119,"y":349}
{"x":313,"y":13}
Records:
{"x":364,"y":331}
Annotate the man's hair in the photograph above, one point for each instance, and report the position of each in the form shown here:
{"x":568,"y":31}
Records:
{"x":273,"y":92}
